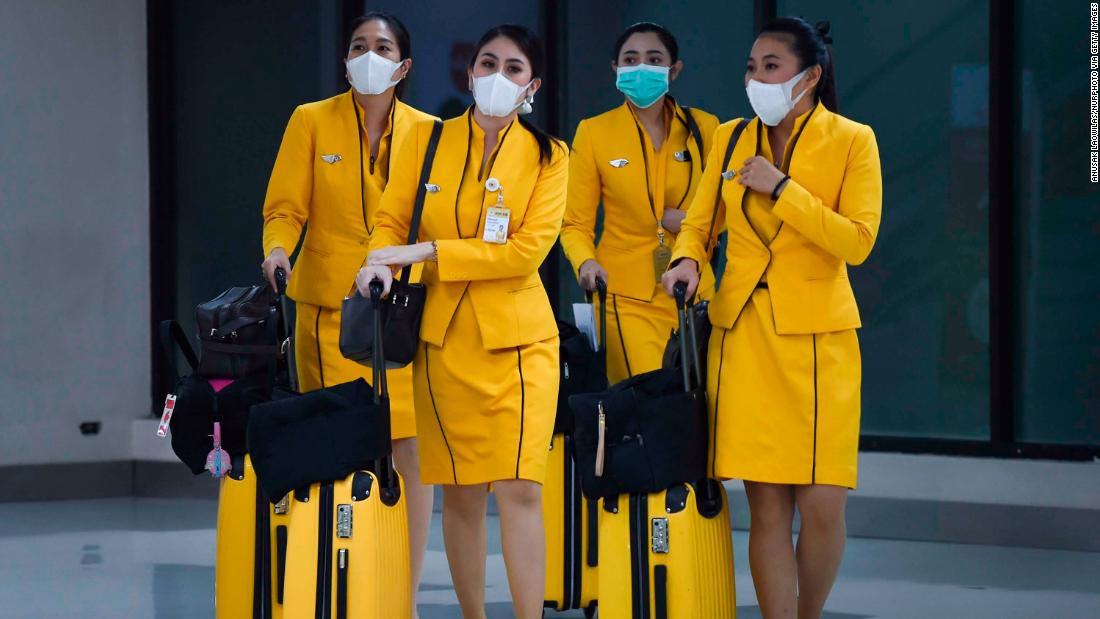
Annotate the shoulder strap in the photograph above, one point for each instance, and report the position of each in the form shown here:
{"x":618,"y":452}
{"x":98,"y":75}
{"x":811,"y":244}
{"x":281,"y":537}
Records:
{"x":736,"y":135}
{"x":694,"y":130}
{"x":421,"y":192}
{"x":171,"y":336}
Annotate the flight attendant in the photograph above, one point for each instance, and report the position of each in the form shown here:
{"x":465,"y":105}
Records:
{"x":802,"y":200}
{"x":486,"y":375}
{"x":331,"y":169}
{"x":643,"y":161}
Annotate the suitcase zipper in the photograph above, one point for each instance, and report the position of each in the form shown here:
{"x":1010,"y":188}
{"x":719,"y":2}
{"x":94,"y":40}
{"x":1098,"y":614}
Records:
{"x":639,"y":556}
{"x":324,"y":553}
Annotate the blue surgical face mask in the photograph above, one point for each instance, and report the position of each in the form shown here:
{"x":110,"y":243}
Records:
{"x":643,"y":84}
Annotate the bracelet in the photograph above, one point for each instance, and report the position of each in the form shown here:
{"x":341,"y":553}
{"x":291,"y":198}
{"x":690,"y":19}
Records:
{"x":778,"y":186}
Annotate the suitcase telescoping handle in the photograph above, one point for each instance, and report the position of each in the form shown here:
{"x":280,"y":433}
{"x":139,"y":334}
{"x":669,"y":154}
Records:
{"x":601,"y":293}
{"x":384,"y":468}
{"x":689,"y":355}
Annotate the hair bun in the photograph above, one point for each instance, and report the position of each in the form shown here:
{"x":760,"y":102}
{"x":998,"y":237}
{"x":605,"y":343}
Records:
{"x":823,"y":28}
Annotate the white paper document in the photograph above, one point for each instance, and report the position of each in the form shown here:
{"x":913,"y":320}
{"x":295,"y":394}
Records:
{"x":585,"y":319}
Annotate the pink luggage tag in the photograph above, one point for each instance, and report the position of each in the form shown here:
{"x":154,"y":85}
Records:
{"x":217,"y":461}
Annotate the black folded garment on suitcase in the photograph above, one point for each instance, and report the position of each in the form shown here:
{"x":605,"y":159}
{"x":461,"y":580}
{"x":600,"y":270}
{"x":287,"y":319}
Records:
{"x":320,"y":436}
{"x":646,"y":433}
{"x":582,"y":369}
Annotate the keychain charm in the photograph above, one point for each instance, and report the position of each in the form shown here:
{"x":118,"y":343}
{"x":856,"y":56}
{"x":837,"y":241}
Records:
{"x":217,"y":461}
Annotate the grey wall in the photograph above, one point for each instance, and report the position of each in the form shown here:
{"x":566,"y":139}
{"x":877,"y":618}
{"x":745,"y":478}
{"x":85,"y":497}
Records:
{"x":74,"y":229}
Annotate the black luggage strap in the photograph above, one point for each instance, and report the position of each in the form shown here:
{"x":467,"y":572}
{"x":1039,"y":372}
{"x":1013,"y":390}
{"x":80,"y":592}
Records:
{"x":171,"y":337}
{"x":734,"y":137}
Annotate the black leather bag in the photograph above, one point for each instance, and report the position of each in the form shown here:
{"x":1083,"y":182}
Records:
{"x":402,"y":309}
{"x":646,"y":433}
{"x":237,"y":332}
{"x":701,"y":323}
{"x":582,"y":369}
{"x":323,"y":435}
{"x":198,"y":406}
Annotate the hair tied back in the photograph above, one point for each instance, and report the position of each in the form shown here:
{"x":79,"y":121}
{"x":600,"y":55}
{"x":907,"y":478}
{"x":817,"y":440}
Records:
{"x":823,"y":28}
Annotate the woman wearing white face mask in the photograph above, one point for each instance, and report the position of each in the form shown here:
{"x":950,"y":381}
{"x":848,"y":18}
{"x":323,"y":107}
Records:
{"x":642,"y":161}
{"x":331,"y":169}
{"x":486,"y":372}
{"x":784,"y":363}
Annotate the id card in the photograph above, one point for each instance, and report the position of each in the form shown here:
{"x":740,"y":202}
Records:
{"x":496,"y":225}
{"x":661,"y":257}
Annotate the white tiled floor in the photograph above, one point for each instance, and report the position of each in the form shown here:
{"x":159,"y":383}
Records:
{"x":149,"y":558}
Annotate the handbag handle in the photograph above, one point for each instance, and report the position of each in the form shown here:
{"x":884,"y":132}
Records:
{"x":421,"y":193}
{"x":687,"y":333}
{"x":286,"y":348}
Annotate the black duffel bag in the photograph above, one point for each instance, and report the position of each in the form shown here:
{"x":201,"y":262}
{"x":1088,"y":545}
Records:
{"x":324,"y":435}
{"x":196,"y":405}
{"x":582,"y":369}
{"x":237,"y":330}
{"x":646,"y":433}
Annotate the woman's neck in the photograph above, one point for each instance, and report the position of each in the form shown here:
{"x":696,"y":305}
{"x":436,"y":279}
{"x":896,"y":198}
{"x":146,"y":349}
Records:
{"x":492,"y":125}
{"x":652,"y":115}
{"x":786,"y":126}
{"x":376,"y":108}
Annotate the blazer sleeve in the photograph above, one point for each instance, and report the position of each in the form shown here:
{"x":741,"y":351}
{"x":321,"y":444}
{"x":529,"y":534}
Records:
{"x":578,"y":231}
{"x":850,"y":231}
{"x":527,"y":247}
{"x":394,"y":214}
{"x":290,"y":189}
{"x":696,"y":239}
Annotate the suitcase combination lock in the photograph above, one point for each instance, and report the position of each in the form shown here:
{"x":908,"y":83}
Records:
{"x":343,"y":521}
{"x":660,"y":536}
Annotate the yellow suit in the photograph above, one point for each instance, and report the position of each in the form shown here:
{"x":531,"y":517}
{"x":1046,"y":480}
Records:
{"x":324,"y":175}
{"x":784,"y":367}
{"x":614,"y":162}
{"x":486,"y":376}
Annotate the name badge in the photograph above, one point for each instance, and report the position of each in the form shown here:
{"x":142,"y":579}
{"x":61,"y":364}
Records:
{"x":496,"y":224}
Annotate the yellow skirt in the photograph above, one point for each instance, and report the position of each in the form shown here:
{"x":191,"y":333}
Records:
{"x":638,"y":331}
{"x":320,"y":364}
{"x":784,"y":409}
{"x":484,"y":415}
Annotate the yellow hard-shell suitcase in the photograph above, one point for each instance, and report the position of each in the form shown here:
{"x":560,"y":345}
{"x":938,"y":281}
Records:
{"x":251,"y":548}
{"x":571,"y":522}
{"x":348,"y":549}
{"x":667,"y":555}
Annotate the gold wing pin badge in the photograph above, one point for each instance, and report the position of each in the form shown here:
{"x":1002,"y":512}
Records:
{"x":619,"y":163}
{"x":331,"y":158}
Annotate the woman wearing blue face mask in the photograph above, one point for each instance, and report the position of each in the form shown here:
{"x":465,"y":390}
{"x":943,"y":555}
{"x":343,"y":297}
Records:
{"x":800,"y":193}
{"x":643,"y":161}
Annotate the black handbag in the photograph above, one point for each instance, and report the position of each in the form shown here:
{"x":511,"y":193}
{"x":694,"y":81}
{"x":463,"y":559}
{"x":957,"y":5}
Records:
{"x":701,"y":323}
{"x":582,"y":369}
{"x":402,"y":309}
{"x":646,"y":433}
{"x":323,"y":435}
{"x":237,"y":332}
{"x":197,"y":405}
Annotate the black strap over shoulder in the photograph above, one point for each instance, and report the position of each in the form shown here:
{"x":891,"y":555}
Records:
{"x":695,"y":135}
{"x":736,"y":135}
{"x":172,"y":336}
{"x":421,"y":192}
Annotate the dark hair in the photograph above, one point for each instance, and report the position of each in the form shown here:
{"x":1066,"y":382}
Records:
{"x":662,"y":33}
{"x":528,"y":43}
{"x":404,"y":42}
{"x":811,"y":45}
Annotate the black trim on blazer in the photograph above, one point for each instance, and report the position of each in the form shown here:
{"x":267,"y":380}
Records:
{"x":693,"y":136}
{"x":320,"y":358}
{"x":813,"y":469}
{"x":435,"y":409}
{"x":522,"y":406}
{"x":389,"y":155}
{"x":717,"y":400}
{"x":482,"y":172}
{"x":622,"y":340}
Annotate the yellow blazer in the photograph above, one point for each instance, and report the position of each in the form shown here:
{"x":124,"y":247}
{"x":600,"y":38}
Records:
{"x":502,"y":280}
{"x":630,"y":228}
{"x":830,"y":211}
{"x":305,"y":187}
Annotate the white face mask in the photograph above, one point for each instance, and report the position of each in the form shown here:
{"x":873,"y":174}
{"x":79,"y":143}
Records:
{"x":496,"y":95}
{"x":370,"y":73}
{"x":772,"y":102}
